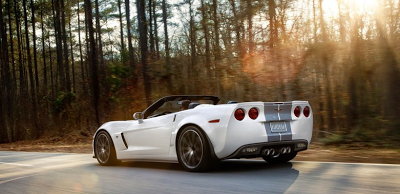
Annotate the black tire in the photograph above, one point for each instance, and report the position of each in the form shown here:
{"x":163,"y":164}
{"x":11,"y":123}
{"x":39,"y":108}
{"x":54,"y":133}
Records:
{"x":193,"y":150}
{"x":280,"y":158}
{"x":105,"y":150}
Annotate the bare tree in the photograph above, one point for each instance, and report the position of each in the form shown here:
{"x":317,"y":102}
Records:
{"x":144,"y":48}
{"x":35,"y":62}
{"x":132,"y":62}
{"x":43,"y":49}
{"x":204,"y":23}
{"x":93,"y":61}
{"x":216,"y":31}
{"x":156,"y":39}
{"x":325,"y":64}
{"x":5,"y":90}
{"x":121,"y":32}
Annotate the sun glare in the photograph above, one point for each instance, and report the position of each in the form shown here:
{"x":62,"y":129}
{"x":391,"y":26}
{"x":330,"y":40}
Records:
{"x":366,"y":4}
{"x":354,"y":6}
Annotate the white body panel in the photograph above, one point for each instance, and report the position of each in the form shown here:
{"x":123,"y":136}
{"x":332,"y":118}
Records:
{"x":154,"y":138}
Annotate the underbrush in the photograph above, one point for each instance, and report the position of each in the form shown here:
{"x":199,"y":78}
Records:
{"x":361,"y":137}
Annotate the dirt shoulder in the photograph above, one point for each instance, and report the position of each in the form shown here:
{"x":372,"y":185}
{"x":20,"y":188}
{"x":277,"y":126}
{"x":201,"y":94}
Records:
{"x":316,"y":151}
{"x":71,"y":143}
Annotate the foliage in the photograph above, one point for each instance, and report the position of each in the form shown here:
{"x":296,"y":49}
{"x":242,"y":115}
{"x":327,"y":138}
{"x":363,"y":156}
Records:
{"x":116,"y":79}
{"x":341,"y":56}
{"x":63,"y":101}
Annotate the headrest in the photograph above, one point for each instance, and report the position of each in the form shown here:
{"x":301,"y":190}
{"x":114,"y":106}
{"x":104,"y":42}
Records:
{"x":193,"y":104}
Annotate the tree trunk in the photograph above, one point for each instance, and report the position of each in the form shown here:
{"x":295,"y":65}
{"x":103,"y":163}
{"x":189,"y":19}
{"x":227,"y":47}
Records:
{"x":99,"y":41}
{"x":57,"y":30}
{"x":250,"y":25}
{"x":354,"y":77}
{"x":3,"y":132}
{"x":53,"y":85}
{"x":87,"y":65}
{"x":156,"y":31}
{"x":80,"y":52}
{"x":166,"y":40}
{"x":272,"y":15}
{"x":168,"y":66}
{"x":143,"y":48}
{"x":5,"y":89}
{"x":14,"y":77}
{"x":325,"y":63}
{"x":64,"y":39}
{"x":93,"y":61}
{"x":192,"y":32}
{"x":150,"y":22}
{"x":132,"y":63}
{"x":206,"y":38}
{"x":31,"y":77}
{"x":43,"y":52}
{"x":391,"y":105}
{"x":34,"y":46}
{"x":239,"y":48}
{"x":20,"y":64}
{"x":72,"y":58}
{"x":216,"y":31}
{"x":123,"y":59}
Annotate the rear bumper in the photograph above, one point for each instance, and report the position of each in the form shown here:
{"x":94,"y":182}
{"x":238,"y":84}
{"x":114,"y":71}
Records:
{"x":257,"y":149}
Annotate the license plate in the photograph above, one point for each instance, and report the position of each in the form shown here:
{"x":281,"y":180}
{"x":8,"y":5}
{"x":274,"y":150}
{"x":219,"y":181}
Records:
{"x":277,"y":127}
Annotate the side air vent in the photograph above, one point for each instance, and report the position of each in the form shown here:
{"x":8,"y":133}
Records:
{"x":123,"y":139}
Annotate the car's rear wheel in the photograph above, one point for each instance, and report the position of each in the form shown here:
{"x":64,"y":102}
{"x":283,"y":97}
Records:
{"x":105,"y":150}
{"x":281,"y":158}
{"x":193,"y":150}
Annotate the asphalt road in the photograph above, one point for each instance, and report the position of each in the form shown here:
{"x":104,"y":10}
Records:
{"x":32,"y":172}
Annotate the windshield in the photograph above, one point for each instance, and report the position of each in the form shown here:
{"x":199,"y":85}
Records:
{"x":170,"y":104}
{"x":175,"y":106}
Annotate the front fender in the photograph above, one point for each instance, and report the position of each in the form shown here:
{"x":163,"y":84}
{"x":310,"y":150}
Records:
{"x":114,"y":129}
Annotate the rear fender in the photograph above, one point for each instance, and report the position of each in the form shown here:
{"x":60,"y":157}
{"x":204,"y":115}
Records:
{"x":215,"y":132}
{"x":195,"y":120}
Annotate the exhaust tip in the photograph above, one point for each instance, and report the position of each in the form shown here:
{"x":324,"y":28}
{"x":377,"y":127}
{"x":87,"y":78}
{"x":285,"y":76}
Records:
{"x":283,"y":150}
{"x":272,"y":151}
{"x":268,"y":152}
{"x":265,"y":152}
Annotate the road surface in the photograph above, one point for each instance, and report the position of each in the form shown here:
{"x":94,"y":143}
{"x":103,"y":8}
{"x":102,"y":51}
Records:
{"x":33,"y":172}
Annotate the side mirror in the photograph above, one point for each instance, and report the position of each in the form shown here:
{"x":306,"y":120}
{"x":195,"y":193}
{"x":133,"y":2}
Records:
{"x":138,"y":116}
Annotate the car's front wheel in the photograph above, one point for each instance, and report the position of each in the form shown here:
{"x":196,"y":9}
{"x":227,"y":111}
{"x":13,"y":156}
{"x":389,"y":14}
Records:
{"x":280,"y":158}
{"x":193,"y":150}
{"x":104,"y":149}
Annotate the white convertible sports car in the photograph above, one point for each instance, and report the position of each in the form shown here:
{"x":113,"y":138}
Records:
{"x":207,"y":132}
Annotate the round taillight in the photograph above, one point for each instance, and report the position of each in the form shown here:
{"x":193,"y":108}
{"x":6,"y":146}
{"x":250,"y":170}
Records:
{"x":306,"y":111}
{"x":297,"y":111}
{"x":253,"y":113}
{"x":239,"y":114}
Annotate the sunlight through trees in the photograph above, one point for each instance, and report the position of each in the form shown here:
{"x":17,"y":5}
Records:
{"x":69,"y":65}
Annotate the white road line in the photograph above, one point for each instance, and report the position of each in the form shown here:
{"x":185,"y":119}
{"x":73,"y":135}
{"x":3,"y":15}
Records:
{"x":299,"y":161}
{"x":16,"y":164}
{"x":352,"y":163}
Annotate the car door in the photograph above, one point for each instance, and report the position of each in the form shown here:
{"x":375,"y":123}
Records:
{"x":152,"y":136}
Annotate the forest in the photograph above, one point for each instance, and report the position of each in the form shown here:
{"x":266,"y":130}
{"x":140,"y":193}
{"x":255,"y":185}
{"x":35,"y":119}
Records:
{"x":70,"y":65}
